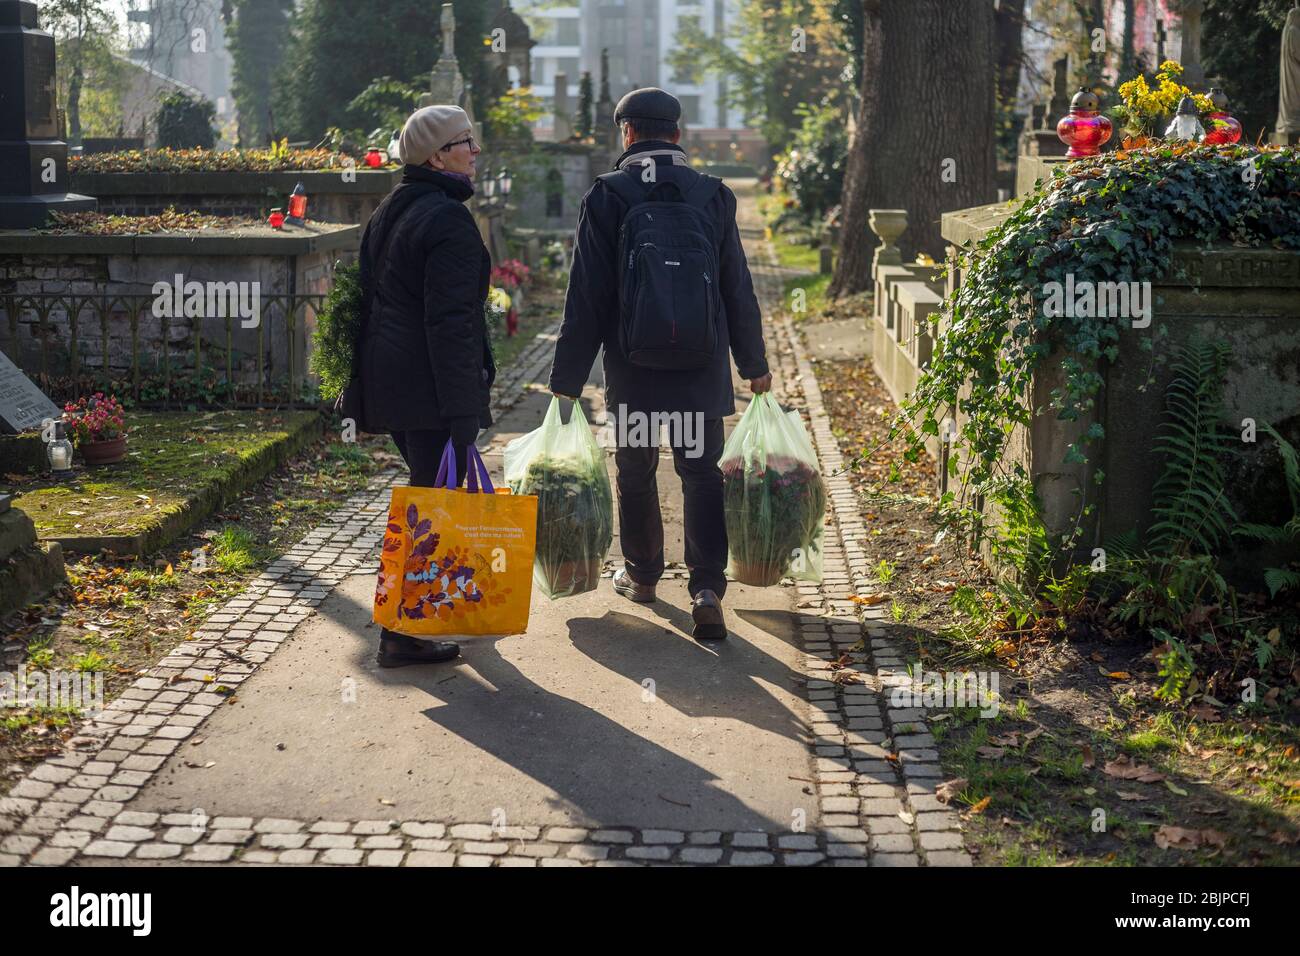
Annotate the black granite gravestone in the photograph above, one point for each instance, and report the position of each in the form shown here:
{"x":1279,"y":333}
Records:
{"x":33,"y":160}
{"x":22,"y":404}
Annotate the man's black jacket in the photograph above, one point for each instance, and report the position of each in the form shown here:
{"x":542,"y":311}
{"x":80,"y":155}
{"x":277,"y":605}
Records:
{"x":591,"y":312}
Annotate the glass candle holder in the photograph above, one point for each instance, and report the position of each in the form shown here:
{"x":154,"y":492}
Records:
{"x":1084,"y":130}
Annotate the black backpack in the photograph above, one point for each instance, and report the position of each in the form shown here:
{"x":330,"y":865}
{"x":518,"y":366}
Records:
{"x":668,"y":264}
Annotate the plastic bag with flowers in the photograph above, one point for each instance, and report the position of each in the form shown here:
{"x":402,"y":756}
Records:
{"x":457,"y":561}
{"x":773,"y":497}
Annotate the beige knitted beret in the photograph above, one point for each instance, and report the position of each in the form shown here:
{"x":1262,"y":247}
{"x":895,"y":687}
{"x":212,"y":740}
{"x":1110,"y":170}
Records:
{"x":429,"y":129}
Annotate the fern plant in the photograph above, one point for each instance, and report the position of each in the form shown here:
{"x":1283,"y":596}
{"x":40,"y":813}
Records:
{"x":1164,"y":585}
{"x":1280,"y":579}
{"x":1191,"y":509}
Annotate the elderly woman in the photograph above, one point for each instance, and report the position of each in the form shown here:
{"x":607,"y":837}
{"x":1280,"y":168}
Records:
{"x":425,"y":363}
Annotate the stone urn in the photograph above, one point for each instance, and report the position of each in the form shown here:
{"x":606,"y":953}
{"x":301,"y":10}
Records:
{"x":888,"y":225}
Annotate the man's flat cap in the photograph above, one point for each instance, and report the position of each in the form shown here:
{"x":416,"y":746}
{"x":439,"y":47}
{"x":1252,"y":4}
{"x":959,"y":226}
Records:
{"x":650,"y":103}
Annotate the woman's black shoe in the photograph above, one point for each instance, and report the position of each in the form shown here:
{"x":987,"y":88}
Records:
{"x":398,"y":650}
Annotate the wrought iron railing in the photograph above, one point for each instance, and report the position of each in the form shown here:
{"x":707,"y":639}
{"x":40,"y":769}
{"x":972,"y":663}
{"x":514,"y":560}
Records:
{"x":71,"y":344}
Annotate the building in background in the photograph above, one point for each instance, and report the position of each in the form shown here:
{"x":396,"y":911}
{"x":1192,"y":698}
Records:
{"x":640,"y":36}
{"x":184,"y":41}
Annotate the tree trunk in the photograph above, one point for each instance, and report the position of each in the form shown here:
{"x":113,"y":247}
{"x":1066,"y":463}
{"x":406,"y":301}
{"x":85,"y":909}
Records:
{"x":857,"y":242}
{"x":925,"y":135}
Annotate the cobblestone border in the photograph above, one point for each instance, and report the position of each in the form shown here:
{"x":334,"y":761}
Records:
{"x":910,"y":821}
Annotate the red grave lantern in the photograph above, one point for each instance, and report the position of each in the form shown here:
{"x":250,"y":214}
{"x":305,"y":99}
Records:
{"x":1085,"y":130}
{"x":276,"y":219}
{"x":1221,"y":129}
{"x":373,"y":157}
{"x":298,"y":205}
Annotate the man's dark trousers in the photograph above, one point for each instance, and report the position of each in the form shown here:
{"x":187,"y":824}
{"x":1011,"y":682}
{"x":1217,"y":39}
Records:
{"x":641,"y":529}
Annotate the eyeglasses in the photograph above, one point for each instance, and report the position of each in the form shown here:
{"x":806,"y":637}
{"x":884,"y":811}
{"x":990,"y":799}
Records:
{"x":460,"y":142}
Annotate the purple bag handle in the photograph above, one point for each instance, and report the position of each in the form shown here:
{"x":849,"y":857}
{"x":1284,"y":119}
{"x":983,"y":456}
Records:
{"x":446,"y":468}
{"x":476,"y":472}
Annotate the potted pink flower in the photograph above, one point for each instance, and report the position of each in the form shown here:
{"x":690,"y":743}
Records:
{"x":97,"y":426}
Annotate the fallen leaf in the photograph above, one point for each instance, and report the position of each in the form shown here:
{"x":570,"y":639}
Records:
{"x":1122,"y":768}
{"x":1128,"y":795}
{"x":1182,"y":838}
{"x":1089,"y":761}
{"x":949,"y":789}
{"x":993,"y":753}
{"x":1174,"y":788}
{"x":981,"y":806}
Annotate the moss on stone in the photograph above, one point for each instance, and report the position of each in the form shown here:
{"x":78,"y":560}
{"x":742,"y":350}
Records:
{"x":180,"y":467}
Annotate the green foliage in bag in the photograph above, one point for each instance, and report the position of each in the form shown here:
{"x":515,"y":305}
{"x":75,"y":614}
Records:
{"x":773,"y":496}
{"x":562,"y":465}
{"x":338,"y":325}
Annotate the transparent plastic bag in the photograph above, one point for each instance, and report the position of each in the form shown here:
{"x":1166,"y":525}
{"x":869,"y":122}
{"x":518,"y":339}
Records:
{"x":774,"y":497}
{"x":562,"y":465}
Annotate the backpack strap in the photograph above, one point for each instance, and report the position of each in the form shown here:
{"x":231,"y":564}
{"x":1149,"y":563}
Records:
{"x":702,"y":193}
{"x":625,"y":186}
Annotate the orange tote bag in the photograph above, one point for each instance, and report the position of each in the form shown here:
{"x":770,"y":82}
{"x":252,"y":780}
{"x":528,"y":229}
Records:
{"x":457,"y":561}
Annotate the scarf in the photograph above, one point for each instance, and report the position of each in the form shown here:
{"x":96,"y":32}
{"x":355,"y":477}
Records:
{"x":650,"y":149}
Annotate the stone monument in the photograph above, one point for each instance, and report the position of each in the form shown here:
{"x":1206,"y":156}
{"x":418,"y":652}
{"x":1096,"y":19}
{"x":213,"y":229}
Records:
{"x":33,"y":160}
{"x":1288,"y":107}
{"x":446,"y":85}
{"x":606,"y":133}
{"x":1043,"y":141}
{"x":518,"y":44}
{"x":1189,"y":12}
{"x":563,"y":121}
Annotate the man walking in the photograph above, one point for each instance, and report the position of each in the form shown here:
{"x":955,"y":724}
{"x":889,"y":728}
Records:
{"x":659,"y":278}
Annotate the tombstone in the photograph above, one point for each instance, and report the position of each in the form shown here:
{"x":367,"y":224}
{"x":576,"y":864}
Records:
{"x":446,"y":85}
{"x":606,"y":133}
{"x":519,"y":43}
{"x":33,"y":160}
{"x":1190,"y":49}
{"x":22,"y":404}
{"x":563,"y":121}
{"x":1042,"y":140}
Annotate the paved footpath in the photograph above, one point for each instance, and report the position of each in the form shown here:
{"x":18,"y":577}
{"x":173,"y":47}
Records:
{"x":603,"y":736}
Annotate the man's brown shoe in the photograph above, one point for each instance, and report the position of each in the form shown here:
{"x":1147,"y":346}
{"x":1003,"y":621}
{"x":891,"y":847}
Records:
{"x":624,"y":585}
{"x":706,"y":610}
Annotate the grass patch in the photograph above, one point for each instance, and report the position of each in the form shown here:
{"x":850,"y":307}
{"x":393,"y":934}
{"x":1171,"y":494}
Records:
{"x":235,"y":550}
{"x":173,"y":457}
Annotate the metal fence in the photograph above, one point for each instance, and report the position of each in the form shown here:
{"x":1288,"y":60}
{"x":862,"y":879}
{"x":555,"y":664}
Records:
{"x":71,"y":344}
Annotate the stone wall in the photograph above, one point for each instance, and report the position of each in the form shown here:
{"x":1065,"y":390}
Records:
{"x":1249,"y":298}
{"x":70,"y":305}
{"x":549,"y":184}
